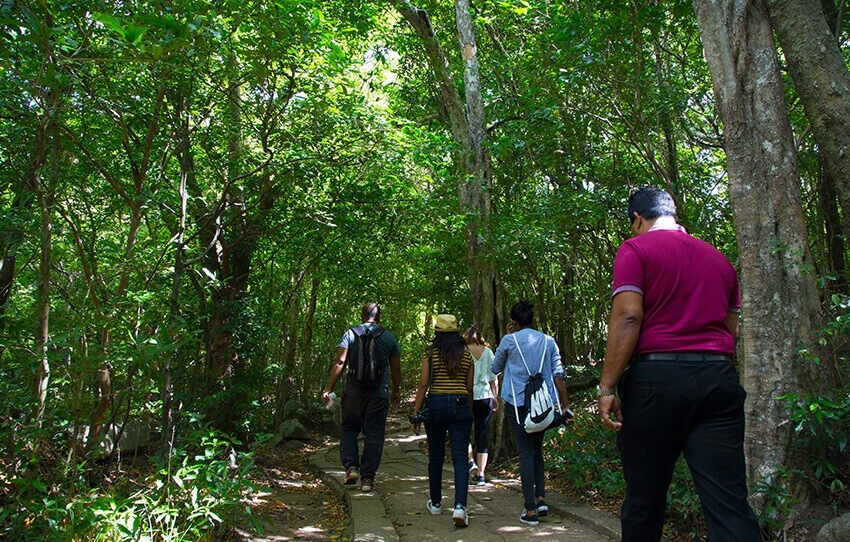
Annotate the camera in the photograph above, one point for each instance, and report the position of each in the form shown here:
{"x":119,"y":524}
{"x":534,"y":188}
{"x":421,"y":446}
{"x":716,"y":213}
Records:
{"x":419,"y":417}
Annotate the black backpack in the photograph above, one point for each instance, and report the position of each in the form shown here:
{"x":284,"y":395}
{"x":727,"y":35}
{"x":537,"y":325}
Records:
{"x":365,"y":368}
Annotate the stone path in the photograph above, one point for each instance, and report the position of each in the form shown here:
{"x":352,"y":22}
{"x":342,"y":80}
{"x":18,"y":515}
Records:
{"x":395,"y":511}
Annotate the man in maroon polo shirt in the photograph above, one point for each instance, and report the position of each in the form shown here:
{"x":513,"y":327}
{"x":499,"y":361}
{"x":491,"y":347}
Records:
{"x":671,"y":338}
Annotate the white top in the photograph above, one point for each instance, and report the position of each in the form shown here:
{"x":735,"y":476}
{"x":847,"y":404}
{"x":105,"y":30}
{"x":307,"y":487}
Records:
{"x":483,"y":375}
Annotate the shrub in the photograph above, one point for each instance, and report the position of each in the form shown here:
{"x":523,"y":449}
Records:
{"x":198,"y":491}
{"x":192,"y":496}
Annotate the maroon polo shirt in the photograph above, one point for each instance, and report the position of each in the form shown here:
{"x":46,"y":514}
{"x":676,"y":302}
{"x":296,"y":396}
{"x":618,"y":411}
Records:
{"x":688,"y":287}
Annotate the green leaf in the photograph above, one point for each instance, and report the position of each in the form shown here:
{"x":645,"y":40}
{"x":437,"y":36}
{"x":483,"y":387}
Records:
{"x":110,"y":22}
{"x":133,"y":34}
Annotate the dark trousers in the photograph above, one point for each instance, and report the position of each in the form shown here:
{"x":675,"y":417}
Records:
{"x":696,"y":408}
{"x":369,"y":415}
{"x":530,"y":449}
{"x":450,"y":415}
{"x":482,"y":410}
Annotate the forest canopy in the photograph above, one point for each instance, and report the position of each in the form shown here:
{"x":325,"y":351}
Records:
{"x":197,"y":198}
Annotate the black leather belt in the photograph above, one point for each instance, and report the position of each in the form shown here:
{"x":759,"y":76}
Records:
{"x":681,"y":356}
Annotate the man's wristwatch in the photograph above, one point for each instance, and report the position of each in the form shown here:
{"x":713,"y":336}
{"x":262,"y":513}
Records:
{"x":605,"y":391}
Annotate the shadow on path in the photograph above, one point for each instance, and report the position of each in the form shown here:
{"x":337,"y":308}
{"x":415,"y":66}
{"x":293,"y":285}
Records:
{"x":396,"y":511}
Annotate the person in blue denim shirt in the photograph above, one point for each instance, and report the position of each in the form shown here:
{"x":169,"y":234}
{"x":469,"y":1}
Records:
{"x":446,"y":378}
{"x":533,"y":346}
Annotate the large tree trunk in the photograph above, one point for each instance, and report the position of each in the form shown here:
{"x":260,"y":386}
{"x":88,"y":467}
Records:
{"x":780,"y":299}
{"x":471,"y":158}
{"x":488,"y":308}
{"x":822,"y":82}
{"x":221,"y":356}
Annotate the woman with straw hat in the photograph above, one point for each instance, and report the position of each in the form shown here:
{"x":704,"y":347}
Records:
{"x":446,"y":379}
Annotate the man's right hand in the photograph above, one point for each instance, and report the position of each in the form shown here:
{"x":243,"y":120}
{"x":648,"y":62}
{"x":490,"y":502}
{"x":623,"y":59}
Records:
{"x":608,"y":405}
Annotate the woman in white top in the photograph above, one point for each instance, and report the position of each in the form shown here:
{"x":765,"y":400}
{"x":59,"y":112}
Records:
{"x":485,"y":390}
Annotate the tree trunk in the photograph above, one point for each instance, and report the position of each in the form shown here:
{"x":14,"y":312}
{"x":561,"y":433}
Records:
{"x":42,"y":335}
{"x":836,"y":252}
{"x":670,"y":170}
{"x":289,"y":333}
{"x":471,"y":158}
{"x":822,"y":82}
{"x":220,"y":352}
{"x":187,"y":174}
{"x":780,"y":300}
{"x":307,"y":389}
{"x":11,"y":238}
{"x":475,"y":187}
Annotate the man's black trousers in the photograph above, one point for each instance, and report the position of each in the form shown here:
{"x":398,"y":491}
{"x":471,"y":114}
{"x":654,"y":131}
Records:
{"x":369,"y":416}
{"x":693,"y":408}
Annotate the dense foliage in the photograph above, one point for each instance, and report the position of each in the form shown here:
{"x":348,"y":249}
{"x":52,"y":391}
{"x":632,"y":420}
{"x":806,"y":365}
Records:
{"x":197,"y":197}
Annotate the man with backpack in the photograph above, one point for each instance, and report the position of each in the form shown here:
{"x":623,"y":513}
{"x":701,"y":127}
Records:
{"x":373,"y":359}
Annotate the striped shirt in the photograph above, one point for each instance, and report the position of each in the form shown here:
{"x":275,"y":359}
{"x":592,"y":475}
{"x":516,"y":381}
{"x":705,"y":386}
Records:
{"x":441,"y":382}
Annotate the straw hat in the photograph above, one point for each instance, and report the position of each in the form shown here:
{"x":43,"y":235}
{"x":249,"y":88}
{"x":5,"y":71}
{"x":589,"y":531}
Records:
{"x":445,"y":323}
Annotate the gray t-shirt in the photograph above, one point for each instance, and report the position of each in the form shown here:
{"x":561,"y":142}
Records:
{"x":386,"y":347}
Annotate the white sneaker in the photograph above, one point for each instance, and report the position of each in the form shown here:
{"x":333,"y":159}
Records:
{"x":435,"y":509}
{"x":459,"y":516}
{"x":352,"y":474}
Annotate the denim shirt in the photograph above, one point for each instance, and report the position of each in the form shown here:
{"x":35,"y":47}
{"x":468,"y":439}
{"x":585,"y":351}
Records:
{"x":508,"y":359}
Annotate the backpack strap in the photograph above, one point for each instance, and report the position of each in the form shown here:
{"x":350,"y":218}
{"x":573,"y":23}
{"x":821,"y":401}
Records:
{"x":513,"y":390}
{"x":554,"y":388}
{"x":357,"y":331}
{"x":518,"y":349}
{"x":376,"y":331}
{"x":543,"y":357}
{"x":540,"y":370}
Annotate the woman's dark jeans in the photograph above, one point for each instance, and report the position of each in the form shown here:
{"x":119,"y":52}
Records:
{"x":530,"y":449}
{"x":482,"y":409}
{"x":452,"y":415}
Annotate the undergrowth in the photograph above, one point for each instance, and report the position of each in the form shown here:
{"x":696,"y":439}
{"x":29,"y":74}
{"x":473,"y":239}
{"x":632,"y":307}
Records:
{"x":195,"y":495}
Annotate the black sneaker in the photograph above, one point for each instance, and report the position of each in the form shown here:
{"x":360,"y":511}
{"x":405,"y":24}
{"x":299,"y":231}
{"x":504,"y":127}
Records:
{"x":528,"y":520}
{"x":473,"y":468}
{"x":542,"y":509}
